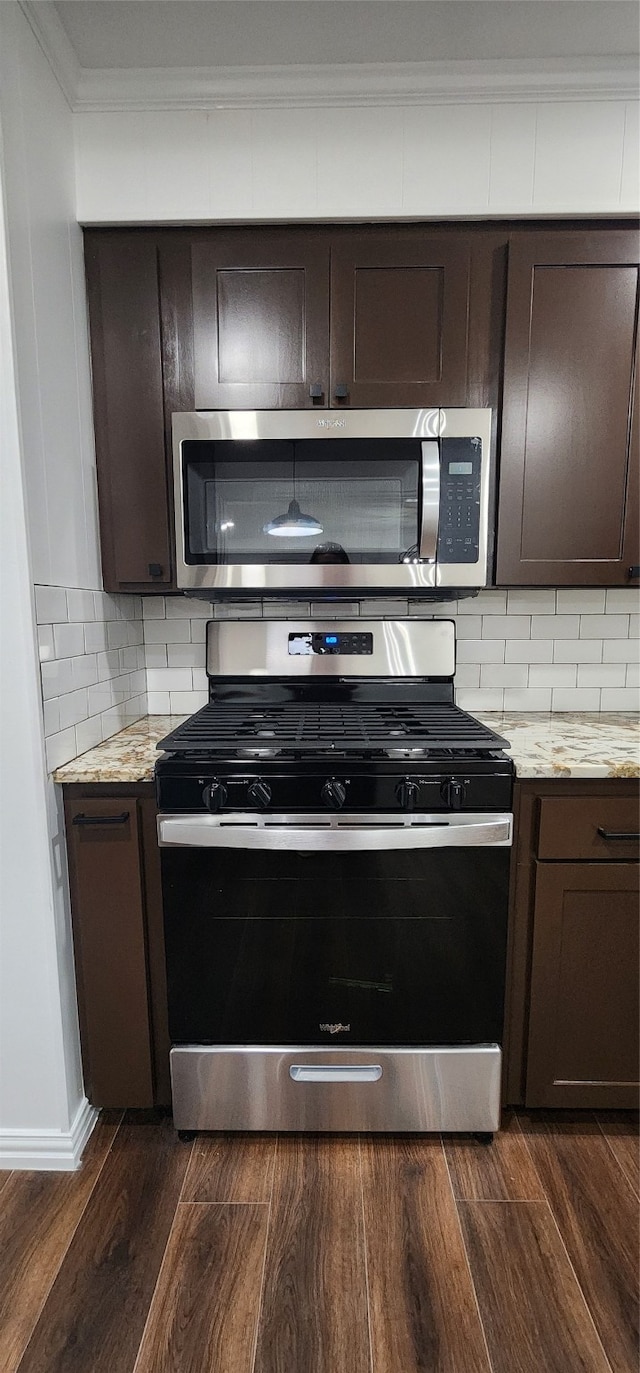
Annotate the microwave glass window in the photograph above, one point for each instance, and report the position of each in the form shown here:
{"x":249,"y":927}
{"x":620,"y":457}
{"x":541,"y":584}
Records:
{"x":363,"y":495}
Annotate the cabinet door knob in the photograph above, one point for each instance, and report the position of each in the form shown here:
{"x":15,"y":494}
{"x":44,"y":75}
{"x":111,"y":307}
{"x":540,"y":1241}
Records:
{"x":155,"y":569}
{"x":316,"y":391}
{"x":634,"y":573}
{"x":341,"y":391}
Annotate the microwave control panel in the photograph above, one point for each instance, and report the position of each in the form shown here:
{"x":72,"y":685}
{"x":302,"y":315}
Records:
{"x":459,"y":524}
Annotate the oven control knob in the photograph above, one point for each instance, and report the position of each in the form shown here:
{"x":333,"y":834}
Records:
{"x":259,"y":793}
{"x":453,"y":793}
{"x":334,"y":793}
{"x":407,"y":794}
{"x":215,"y":795}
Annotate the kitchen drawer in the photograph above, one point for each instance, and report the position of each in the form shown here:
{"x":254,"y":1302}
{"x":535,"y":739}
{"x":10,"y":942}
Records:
{"x":570,"y":827}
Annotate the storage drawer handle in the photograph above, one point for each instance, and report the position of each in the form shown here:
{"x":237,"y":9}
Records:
{"x":101,"y":819}
{"x":627,"y":836}
{"x":335,"y":1072}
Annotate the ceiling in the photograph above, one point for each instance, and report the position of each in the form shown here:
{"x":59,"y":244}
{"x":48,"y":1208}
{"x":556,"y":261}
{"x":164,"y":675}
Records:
{"x":250,"y":33}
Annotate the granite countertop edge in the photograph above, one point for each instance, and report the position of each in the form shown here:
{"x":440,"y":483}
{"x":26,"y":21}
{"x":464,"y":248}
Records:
{"x":579,"y":745}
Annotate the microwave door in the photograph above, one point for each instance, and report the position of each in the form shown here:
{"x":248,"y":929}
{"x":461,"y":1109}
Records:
{"x":429,"y":500}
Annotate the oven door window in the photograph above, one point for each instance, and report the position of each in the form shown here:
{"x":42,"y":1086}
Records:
{"x":362,"y":948}
{"x":361,"y":495}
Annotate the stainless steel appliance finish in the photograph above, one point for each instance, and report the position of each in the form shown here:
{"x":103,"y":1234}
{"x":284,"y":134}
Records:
{"x":337,"y":833}
{"x":263,"y":648}
{"x":419,"y":572}
{"x":379,"y":1089}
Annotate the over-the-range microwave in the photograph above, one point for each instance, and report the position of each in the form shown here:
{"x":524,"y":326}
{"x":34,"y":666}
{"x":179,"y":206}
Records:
{"x":287,"y":501}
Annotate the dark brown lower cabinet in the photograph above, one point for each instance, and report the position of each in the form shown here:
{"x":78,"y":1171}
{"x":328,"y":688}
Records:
{"x":114,"y":873}
{"x":573,"y":1009}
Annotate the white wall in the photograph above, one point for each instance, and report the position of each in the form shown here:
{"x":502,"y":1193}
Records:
{"x":545,"y":158}
{"x":49,"y":532}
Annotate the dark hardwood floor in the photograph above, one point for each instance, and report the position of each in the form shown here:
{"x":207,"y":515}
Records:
{"x":321,"y":1254}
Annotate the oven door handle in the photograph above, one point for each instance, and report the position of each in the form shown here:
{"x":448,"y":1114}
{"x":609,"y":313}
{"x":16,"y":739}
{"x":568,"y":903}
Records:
{"x":430,"y":500}
{"x":335,"y":833}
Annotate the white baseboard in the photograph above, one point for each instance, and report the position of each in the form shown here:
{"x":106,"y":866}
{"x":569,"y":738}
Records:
{"x":49,"y":1150}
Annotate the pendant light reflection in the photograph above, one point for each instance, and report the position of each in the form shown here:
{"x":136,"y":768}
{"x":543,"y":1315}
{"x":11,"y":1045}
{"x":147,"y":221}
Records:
{"x":293,"y":525}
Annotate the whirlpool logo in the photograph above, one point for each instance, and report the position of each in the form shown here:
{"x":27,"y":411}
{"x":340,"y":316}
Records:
{"x":331,"y":424}
{"x":339,"y":1029}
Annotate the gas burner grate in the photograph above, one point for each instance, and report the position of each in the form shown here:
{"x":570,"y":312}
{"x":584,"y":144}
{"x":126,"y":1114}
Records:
{"x":327,"y":726}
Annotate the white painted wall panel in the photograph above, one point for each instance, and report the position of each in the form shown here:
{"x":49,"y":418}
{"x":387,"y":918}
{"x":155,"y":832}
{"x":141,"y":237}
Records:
{"x":379,"y":162}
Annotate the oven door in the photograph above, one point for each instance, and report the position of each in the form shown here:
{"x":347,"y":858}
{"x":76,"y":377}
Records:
{"x":388,"y":935}
{"x":371,"y":499}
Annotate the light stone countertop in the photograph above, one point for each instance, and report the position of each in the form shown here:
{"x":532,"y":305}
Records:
{"x":580,"y":744}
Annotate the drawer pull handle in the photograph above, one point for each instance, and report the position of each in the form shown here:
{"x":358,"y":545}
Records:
{"x":626,"y":836}
{"x":101,"y":819}
{"x":335,"y":1072}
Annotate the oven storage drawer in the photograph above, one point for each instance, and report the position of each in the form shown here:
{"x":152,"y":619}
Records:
{"x":376,"y":1089}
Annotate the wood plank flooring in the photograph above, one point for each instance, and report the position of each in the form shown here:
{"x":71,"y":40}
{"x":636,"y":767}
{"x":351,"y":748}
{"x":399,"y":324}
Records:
{"x":327,"y":1254}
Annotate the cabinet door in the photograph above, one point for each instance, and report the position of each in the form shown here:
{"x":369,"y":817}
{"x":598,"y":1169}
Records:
{"x":583,"y":1027}
{"x":399,"y":307}
{"x":260,"y":319}
{"x":568,"y":507}
{"x":124,"y":318}
{"x":110,"y":953}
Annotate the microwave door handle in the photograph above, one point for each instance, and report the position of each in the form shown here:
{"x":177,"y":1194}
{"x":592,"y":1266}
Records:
{"x":430,"y":502}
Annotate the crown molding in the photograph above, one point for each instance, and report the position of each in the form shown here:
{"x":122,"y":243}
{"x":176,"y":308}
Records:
{"x":43,"y":18}
{"x":94,"y":89}
{"x":406,"y":83}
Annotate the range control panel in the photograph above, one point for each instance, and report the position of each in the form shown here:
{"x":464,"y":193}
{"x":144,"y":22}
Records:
{"x":302,"y":645}
{"x":459,"y":526}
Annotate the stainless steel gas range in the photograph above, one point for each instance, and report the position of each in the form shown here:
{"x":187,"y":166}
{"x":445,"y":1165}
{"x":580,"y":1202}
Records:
{"x":335,"y":837}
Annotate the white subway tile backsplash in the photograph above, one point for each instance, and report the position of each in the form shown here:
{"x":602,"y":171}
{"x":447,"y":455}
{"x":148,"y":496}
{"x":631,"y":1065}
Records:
{"x":51,"y":605}
{"x":59,"y":748}
{"x":634,"y":626}
{"x":623,"y":598}
{"x":529,"y":651}
{"x":183,"y":655}
{"x":95,"y":637}
{"x":155,"y":655}
{"x":188,"y":608}
{"x":505,"y":626}
{"x":318,"y":610}
{"x":621,"y":651}
{"x":480,"y":650}
{"x":540,"y":601}
{"x":552,"y":675}
{"x":84,"y":670}
{"x":467,"y":675}
{"x":80,"y":605}
{"x":470,"y":627}
{"x":169,"y":631}
{"x":604,"y":626}
{"x":46,"y":644}
{"x":580,"y":600}
{"x":601,"y":674}
{"x":88,"y":733}
{"x":68,"y":640}
{"x":56,"y":678}
{"x":51,"y":716}
{"x":483,"y":699}
{"x":73,"y":707}
{"x":237,"y":610}
{"x":169,"y":679}
{"x":527,"y":698}
{"x":198,"y":631}
{"x":577,"y":650}
{"x":633,"y":675}
{"x":185,"y":702}
{"x":582,"y":698}
{"x":619,"y":698}
{"x":117,"y":634}
{"x":485,"y":603}
{"x":503,"y":675}
{"x":555,"y":626}
{"x":159,"y":703}
{"x":154,"y":608}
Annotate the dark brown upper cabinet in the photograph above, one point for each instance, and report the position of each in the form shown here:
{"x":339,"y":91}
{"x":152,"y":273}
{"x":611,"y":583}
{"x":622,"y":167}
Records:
{"x":260,"y":319}
{"x":568,"y":499}
{"x":399,"y":319}
{"x":128,"y":405}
